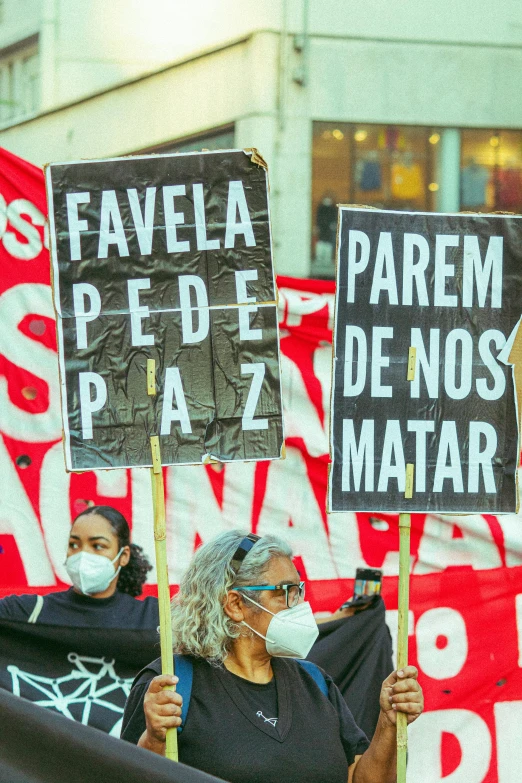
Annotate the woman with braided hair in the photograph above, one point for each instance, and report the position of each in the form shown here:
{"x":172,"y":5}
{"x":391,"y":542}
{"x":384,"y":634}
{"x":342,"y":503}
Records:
{"x":107,"y":572}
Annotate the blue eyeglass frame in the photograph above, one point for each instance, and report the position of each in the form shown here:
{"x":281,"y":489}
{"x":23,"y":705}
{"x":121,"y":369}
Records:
{"x":300,"y":587}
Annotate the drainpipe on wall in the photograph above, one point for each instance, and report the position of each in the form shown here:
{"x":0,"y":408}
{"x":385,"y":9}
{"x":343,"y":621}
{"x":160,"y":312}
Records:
{"x":302,"y":46}
{"x":282,"y":66}
{"x":47,"y":52}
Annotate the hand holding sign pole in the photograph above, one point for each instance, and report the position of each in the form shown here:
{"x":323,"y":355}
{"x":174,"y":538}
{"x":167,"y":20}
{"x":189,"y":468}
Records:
{"x":404,"y":597}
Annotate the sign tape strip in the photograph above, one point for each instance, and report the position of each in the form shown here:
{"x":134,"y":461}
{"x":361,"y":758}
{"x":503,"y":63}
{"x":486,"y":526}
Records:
{"x":412,"y":363}
{"x":151,"y":377}
{"x":156,"y":454}
{"x":410,"y":469}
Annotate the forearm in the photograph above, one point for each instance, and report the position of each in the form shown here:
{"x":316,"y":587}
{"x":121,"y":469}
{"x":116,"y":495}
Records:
{"x":152,"y":744}
{"x":379,"y":763}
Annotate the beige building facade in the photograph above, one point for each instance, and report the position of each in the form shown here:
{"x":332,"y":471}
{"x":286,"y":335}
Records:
{"x":410,"y":106}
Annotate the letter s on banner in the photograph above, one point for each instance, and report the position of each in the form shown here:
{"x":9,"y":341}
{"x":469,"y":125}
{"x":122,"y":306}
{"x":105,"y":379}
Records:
{"x":25,"y":251}
{"x":32,"y":356}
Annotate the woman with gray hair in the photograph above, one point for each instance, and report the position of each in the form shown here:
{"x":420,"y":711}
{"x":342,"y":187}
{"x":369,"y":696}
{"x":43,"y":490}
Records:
{"x":255,"y":714}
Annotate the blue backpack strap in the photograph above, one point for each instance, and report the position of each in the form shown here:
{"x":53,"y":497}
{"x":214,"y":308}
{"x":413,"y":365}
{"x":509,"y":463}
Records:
{"x":316,"y":674}
{"x":185,"y":671}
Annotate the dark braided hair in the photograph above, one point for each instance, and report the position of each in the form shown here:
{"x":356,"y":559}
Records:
{"x":132,"y":576}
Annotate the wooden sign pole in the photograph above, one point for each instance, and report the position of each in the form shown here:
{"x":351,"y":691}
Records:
{"x":404,"y":595}
{"x":402,"y":643}
{"x":160,"y":545}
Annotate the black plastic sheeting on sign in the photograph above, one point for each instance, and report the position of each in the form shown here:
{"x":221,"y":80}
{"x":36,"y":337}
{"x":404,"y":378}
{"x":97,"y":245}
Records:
{"x":167,"y":216}
{"x":459,"y":306}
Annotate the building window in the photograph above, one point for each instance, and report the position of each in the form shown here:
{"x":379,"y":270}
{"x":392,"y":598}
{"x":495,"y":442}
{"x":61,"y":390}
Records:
{"x":385,"y":166}
{"x":19,"y":83}
{"x":222,"y":139}
{"x":408,"y":168}
{"x":491,"y":171}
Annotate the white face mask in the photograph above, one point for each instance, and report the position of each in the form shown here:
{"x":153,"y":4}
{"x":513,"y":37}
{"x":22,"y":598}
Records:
{"x":91,"y":573}
{"x":291,"y":632}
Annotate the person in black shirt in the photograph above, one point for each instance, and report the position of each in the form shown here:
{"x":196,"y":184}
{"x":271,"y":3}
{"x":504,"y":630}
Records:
{"x":77,"y":651}
{"x":108,"y":573}
{"x":255,"y":715}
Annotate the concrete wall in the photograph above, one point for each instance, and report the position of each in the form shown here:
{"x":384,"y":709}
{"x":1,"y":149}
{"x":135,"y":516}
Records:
{"x":356,"y":78}
{"x":19,"y":19}
{"x":415,"y":83}
{"x":100,"y":43}
{"x":190,"y":98}
{"x":89,"y":46}
{"x":467,"y":21}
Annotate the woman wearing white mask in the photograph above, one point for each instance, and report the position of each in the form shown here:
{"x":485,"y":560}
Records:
{"x":255,"y":714}
{"x":107,"y":574}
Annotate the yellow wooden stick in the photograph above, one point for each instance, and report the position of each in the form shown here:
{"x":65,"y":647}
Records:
{"x":160,"y":545}
{"x":402,"y":641}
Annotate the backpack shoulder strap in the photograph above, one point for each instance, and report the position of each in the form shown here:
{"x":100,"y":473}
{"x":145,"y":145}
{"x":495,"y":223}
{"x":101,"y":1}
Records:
{"x":185,"y":671}
{"x":316,"y":674}
{"x":35,"y":614}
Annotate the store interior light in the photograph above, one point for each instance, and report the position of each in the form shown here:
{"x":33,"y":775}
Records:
{"x":434,"y":138}
{"x":494,"y":140}
{"x":338,"y":134}
{"x":360,"y":135}
{"x":433,"y":186}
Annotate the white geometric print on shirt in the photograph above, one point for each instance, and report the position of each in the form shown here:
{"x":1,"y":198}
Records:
{"x":272,"y":721}
{"x":91,"y":689}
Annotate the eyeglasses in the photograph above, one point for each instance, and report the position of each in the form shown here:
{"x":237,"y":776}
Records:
{"x":294,"y":592}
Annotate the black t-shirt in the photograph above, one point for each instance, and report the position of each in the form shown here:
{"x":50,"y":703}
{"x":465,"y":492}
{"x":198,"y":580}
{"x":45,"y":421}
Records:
{"x":262,"y":700}
{"x":69,"y":608}
{"x":314,"y":739}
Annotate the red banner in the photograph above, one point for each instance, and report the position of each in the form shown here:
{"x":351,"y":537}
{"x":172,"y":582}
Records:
{"x":466,"y":590}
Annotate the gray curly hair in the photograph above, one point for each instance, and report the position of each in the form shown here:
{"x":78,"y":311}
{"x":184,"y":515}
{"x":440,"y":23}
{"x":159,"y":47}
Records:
{"x":200,"y":626}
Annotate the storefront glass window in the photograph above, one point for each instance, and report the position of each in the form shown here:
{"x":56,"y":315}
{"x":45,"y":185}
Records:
{"x":491,"y":171}
{"x":386,"y":166}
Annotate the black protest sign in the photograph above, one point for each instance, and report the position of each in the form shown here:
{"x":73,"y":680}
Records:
{"x":448,"y":286}
{"x":165,"y":257}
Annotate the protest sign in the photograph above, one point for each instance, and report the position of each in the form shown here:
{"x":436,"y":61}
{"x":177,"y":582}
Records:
{"x":166,"y":258}
{"x":427,"y":311}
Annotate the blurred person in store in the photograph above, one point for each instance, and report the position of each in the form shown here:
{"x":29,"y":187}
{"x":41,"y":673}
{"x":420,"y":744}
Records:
{"x":256,"y":715}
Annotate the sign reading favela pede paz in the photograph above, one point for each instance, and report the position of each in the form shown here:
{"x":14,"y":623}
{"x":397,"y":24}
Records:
{"x":449,"y":287}
{"x":165,"y":257}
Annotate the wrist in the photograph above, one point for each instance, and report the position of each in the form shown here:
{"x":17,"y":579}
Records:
{"x":152,"y":743}
{"x":385,"y":723}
